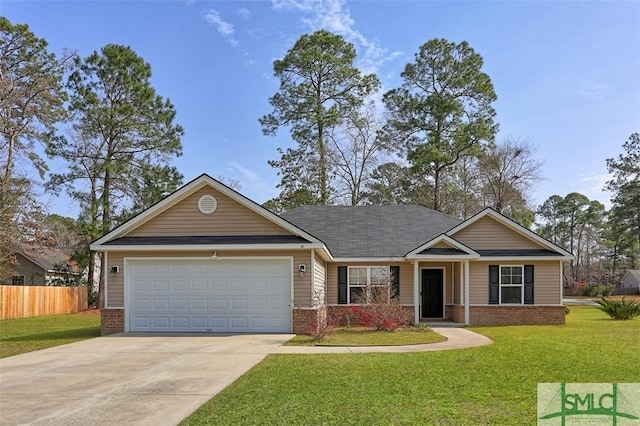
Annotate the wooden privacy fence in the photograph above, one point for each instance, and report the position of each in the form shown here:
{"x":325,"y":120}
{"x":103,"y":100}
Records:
{"x":18,"y":301}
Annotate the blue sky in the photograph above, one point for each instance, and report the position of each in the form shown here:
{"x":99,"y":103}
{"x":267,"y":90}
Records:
{"x":567,"y":73}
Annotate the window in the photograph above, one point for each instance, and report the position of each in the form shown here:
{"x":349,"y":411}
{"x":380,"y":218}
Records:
{"x":360,"y":277}
{"x":17,"y":280}
{"x":511,"y":284}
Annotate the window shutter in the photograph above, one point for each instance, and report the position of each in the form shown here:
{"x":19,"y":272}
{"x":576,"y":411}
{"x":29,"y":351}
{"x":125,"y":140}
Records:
{"x":494,"y":284}
{"x":528,"y":284}
{"x":342,"y":285}
{"x":395,"y":281}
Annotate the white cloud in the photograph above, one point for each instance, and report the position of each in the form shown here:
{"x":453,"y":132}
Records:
{"x":225,"y":29}
{"x":334,"y":16}
{"x":246,"y":173}
{"x":593,"y":91}
{"x":253,"y":184}
{"x":244,"y":13}
{"x":593,"y":187}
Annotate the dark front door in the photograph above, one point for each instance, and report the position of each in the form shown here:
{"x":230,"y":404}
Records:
{"x":432,"y":297}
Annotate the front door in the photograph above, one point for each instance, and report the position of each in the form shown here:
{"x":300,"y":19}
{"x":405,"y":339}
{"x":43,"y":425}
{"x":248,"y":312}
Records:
{"x":431,"y":293}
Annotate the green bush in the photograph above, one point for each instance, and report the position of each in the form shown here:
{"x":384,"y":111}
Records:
{"x":619,"y":309}
{"x":588,"y":291}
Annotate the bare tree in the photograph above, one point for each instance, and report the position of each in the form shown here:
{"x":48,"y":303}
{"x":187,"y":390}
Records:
{"x":355,"y":149}
{"x":508,"y":171}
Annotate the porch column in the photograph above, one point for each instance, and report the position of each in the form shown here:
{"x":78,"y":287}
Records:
{"x":561,"y":281}
{"x":466,"y":292}
{"x":416,"y":291}
{"x":461,"y":267}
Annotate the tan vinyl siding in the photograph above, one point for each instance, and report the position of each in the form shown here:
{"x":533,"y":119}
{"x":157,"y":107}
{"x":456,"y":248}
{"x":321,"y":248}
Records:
{"x":406,"y":280}
{"x":115,"y":283}
{"x":442,"y":244}
{"x":320,"y":279}
{"x":546,"y":281}
{"x":230,"y":218}
{"x":487,"y":234}
{"x":456,"y":282}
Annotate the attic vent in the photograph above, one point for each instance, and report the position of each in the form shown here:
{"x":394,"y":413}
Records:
{"x":207,"y":204}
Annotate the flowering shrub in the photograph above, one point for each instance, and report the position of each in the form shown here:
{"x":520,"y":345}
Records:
{"x":380,"y":311}
{"x":320,"y":327}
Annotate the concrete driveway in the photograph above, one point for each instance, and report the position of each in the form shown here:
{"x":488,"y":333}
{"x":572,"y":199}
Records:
{"x":125,"y":379}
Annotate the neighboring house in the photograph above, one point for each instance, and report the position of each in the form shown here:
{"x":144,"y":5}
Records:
{"x":208,"y":259}
{"x":42,"y":266}
{"x":631,"y":282}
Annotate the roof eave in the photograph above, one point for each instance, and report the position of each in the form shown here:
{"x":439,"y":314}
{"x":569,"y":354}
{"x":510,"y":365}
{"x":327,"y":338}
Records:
{"x":201,"y":247}
{"x":524,"y":258}
{"x":444,"y":257}
{"x":369,"y":259}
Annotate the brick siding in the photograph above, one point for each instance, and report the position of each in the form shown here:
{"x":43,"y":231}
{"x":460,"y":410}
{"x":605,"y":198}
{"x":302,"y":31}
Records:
{"x":341,"y":314}
{"x":112,"y":321}
{"x":304,"y":319}
{"x":516,"y":315}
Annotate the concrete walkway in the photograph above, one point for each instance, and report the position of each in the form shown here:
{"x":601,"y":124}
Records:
{"x":457,"y":338}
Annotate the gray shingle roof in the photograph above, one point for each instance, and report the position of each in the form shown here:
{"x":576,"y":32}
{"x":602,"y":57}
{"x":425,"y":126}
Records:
{"x":371,"y":231}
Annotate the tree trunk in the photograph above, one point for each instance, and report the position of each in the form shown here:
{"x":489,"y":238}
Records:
{"x":436,"y":189}
{"x":5,"y":185}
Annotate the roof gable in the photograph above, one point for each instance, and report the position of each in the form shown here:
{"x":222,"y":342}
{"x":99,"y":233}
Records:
{"x":489,"y":230}
{"x":442,"y":246}
{"x":48,"y":258}
{"x":185,"y":219}
{"x":177,"y":215}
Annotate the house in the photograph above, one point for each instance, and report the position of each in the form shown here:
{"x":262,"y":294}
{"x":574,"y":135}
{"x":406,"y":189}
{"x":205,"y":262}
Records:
{"x":208,"y":259}
{"x":42,"y":266}
{"x":631,"y":282}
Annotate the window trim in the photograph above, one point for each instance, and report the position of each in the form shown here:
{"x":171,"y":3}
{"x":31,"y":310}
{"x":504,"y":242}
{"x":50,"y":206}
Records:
{"x":18,"y":278}
{"x":500,"y":285}
{"x":368,"y":279}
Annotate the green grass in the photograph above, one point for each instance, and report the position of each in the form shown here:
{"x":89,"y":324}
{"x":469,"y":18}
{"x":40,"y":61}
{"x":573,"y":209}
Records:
{"x":22,"y":335}
{"x":490,"y":385}
{"x":361,"y":336}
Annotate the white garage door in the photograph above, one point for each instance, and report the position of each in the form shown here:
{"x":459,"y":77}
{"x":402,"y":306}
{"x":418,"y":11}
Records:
{"x":209,"y":295}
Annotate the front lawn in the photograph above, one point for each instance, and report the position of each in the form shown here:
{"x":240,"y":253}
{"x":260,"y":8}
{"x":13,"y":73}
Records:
{"x":493,"y":384}
{"x":361,"y":336}
{"x":20,"y":335}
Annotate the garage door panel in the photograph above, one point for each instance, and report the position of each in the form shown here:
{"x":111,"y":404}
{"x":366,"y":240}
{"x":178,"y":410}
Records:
{"x":161,"y":304}
{"x":238,"y":304}
{"x":179,"y":286}
{"x":200,"y":304}
{"x":180,"y":304}
{"x":200,"y":323}
{"x":160,"y":285}
{"x":239,"y":323}
{"x":142,"y":323}
{"x":259,"y":304}
{"x":141,"y":285}
{"x":205,"y":296}
{"x":219,"y":324}
{"x":219,"y":305}
{"x":142,"y":304}
{"x":200,"y":285}
{"x":238,"y":286}
{"x":182,"y":323}
{"x":160,"y":322}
